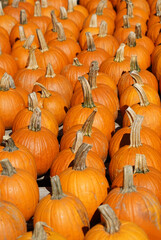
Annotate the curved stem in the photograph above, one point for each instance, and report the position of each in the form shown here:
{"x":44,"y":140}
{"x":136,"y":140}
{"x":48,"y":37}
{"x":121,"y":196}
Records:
{"x":76,"y":62}
{"x":120,"y":53}
{"x":53,"y":20}
{"x":112,"y":223}
{"x":90,"y":42}
{"x":10,"y":145}
{"x":6,"y":82}
{"x":37,"y":9}
{"x":87,"y":126}
{"x":44,"y":91}
{"x":32,"y":63}
{"x":126,"y":23}
{"x":135,"y":140}
{"x":43,"y":44}
{"x":100,"y":7}
{"x":140,"y":164}
{"x":60,"y":32}
{"x":128,"y":185}
{"x":22,"y":33}
{"x":131,"y":115}
{"x":131,"y":40}
{"x":88,"y":100}
{"x":103,"y":29}
{"x":50,"y":71}
{"x":35,"y":121}
{"x":138,"y":31}
{"x":136,"y":77}
{"x":77,"y":142}
{"x":32,"y":101}
{"x":134,"y":64}
{"x":80,"y":157}
{"x":57,"y":192}
{"x":63,"y":13}
{"x":142,"y":95}
{"x":8,"y":169}
{"x":93,"y":21}
{"x":23,"y":17}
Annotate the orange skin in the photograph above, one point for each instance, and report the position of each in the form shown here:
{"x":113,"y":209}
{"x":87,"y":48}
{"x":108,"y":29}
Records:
{"x":2,"y":130}
{"x":8,"y":63}
{"x":41,"y":21}
{"x":7,"y":22}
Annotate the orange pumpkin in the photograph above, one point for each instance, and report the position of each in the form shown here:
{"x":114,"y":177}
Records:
{"x":2,"y":129}
{"x":46,"y":9}
{"x":12,"y":181}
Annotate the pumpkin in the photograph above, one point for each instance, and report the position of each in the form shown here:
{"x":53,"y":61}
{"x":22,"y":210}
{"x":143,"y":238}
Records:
{"x":151,"y":112}
{"x":144,"y":5}
{"x":2,"y":129}
{"x":40,"y":233}
{"x":91,"y":6}
{"x":45,"y":55}
{"x":126,"y":79}
{"x":29,"y":28}
{"x":40,"y":141}
{"x":126,"y":154}
{"x":80,"y":8}
{"x":101,"y":93}
{"x":91,"y":135}
{"x":65,"y":158}
{"x":51,"y":32}
{"x":69,"y":46}
{"x":6,"y":21}
{"x":114,"y":228}
{"x":46,"y":9}
{"x":153,"y":31}
{"x":26,"y":77}
{"x":5,"y":44}
{"x":11,"y":101}
{"x":12,"y":218}
{"x":122,"y":136}
{"x":53,"y":102}
{"x":144,"y":176}
{"x":141,"y":206}
{"x":19,"y":156}
{"x":41,"y":21}
{"x":79,"y":113}
{"x":92,"y":53}
{"x":74,"y":217}
{"x":58,"y":4}
{"x":115,"y":66}
{"x":55,"y":82}
{"x":88,"y":178}
{"x":12,"y":181}
{"x":73,"y":71}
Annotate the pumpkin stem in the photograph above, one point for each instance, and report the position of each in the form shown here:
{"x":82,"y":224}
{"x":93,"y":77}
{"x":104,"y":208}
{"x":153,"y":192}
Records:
{"x":103,"y":29}
{"x":92,"y":76}
{"x":128,"y":185}
{"x":126,"y":23}
{"x":32,"y":63}
{"x":138,"y":31}
{"x":112,"y":223}
{"x":70,"y":6}
{"x":131,"y":40}
{"x":75,"y":3}
{"x":77,"y":142}
{"x":87,"y":126}
{"x":57,"y":192}
{"x":76,"y":62}
{"x":1,"y":9}
{"x":136,"y":77}
{"x":32,"y":101}
{"x":44,"y":91}
{"x":100,"y":7}
{"x":8,"y":169}
{"x":63,"y":13}
{"x":23,"y":17}
{"x":43,"y":44}
{"x":79,"y":163}
{"x":39,"y":232}
{"x":158,"y":8}
{"x":53,"y":20}
{"x":10,"y":145}
{"x":93,"y":21}
{"x":88,"y":100}
{"x":44,"y":3}
{"x":37,"y":9}
{"x":50,"y":71}
{"x":131,"y":115}
{"x":15,"y":3}
{"x":60,"y":32}
{"x":28,"y":42}
{"x":142,"y":95}
{"x":90,"y":42}
{"x":134,"y":64}
{"x":140,"y":164}
{"x":120,"y":53}
{"x":135,"y":140}
{"x":22,"y":33}
{"x":35,"y":121}
{"x":6,"y":82}
{"x":130,"y":9}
